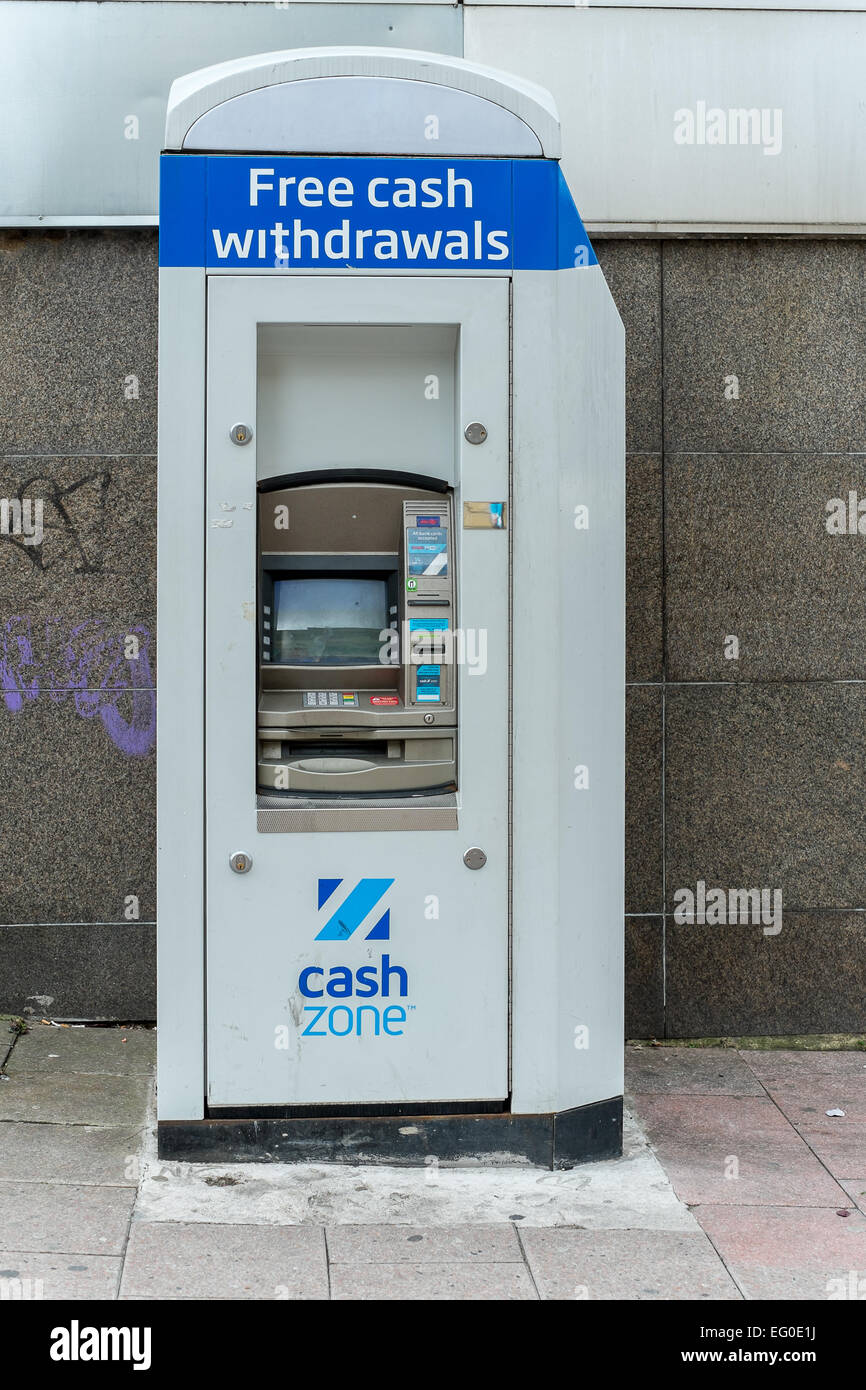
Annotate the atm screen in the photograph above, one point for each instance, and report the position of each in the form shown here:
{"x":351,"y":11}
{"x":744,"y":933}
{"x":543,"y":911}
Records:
{"x":329,"y":621}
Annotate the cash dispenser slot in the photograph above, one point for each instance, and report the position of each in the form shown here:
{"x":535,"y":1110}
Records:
{"x":357,"y":689}
{"x":383,"y":762}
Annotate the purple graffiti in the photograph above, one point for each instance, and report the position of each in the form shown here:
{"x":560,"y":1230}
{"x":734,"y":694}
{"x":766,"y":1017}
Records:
{"x":100,"y":669}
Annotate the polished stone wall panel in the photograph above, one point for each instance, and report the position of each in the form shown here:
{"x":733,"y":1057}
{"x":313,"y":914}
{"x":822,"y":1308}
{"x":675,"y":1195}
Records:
{"x":747,"y":773}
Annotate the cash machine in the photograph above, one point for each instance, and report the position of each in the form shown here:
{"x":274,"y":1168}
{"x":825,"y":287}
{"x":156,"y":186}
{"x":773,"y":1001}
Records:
{"x":391,"y":632}
{"x":357,"y":676}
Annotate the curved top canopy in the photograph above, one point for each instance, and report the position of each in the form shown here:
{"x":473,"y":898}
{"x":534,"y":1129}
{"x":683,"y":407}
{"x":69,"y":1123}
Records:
{"x":360,"y":101}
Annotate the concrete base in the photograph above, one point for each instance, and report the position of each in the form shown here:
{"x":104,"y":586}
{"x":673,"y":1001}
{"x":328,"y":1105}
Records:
{"x":556,"y":1140}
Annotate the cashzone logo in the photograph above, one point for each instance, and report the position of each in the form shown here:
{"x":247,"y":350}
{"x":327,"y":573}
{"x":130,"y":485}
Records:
{"x":346,"y":911}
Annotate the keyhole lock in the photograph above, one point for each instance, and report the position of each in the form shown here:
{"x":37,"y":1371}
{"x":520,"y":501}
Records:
{"x":240,"y":434}
{"x":475,"y":433}
{"x":475,"y":858}
{"x":241,"y":863}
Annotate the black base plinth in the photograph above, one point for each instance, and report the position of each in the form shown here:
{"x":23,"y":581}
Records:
{"x":557,"y":1140}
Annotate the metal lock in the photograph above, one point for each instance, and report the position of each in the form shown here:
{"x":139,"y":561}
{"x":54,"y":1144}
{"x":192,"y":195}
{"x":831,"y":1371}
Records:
{"x":240,"y":434}
{"x":428,"y":718}
{"x":241,"y":863}
{"x":475,"y":433}
{"x":475,"y":858}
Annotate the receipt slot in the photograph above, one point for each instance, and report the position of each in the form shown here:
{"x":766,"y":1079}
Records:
{"x":391,"y":622}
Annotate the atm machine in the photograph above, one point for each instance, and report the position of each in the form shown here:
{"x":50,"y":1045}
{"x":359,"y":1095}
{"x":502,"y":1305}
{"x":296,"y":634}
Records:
{"x":391,"y":622}
{"x":357,"y":663}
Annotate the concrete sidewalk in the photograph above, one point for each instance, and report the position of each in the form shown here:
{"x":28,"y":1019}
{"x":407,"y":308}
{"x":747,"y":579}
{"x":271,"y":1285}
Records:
{"x":746,"y":1189}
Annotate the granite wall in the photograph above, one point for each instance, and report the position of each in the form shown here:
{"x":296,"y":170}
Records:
{"x":746,"y":416}
{"x":78,"y":429}
{"x":746,"y":371}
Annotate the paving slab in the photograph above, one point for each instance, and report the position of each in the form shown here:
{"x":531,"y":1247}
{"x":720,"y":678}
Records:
{"x":839,"y":1141}
{"x":176,"y":1261}
{"x":74,"y":1137}
{"x":432,"y":1280}
{"x":840,"y":1144}
{"x":787,"y":1064}
{"x":735,"y":1149}
{"x":68,"y":1276}
{"x":75,"y":1098}
{"x":856,"y":1189}
{"x":58,"y":1217}
{"x":116,"y":1051}
{"x":634,"y":1265}
{"x":705,"y":1071}
{"x":788,"y":1252}
{"x":361,"y":1245}
{"x":806,"y":1098}
{"x":70,"y":1153}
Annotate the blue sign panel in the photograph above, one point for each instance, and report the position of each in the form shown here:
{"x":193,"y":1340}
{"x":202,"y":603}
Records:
{"x":256,"y":212}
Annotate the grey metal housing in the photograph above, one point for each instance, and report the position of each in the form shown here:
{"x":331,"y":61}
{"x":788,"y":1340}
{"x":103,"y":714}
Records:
{"x":542,"y":363}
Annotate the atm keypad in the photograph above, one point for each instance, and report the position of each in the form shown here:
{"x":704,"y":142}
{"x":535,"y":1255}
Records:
{"x":330,"y":699}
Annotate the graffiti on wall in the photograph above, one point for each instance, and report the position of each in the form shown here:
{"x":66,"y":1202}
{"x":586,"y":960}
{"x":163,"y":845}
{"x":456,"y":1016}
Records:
{"x":105,"y":671}
{"x":103,"y":668}
{"x":75,"y":528}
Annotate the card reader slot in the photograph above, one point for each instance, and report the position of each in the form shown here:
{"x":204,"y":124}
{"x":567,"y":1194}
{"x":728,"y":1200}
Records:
{"x":346,"y":748}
